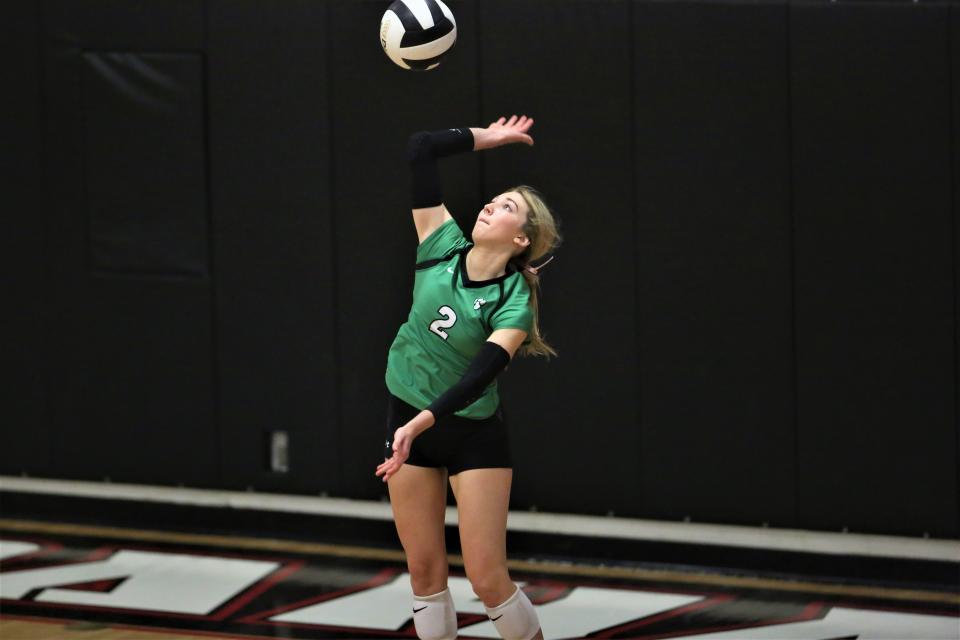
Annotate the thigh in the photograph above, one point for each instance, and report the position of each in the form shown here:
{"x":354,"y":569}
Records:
{"x":418,"y":496}
{"x":483,"y":499}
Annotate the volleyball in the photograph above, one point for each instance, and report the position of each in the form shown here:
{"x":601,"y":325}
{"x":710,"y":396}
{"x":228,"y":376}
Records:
{"x":416,"y":34}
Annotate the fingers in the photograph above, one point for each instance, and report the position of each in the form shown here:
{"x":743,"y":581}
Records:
{"x":522,"y":122}
{"x":387,"y":469}
{"x":387,"y":463}
{"x":390,"y":466}
{"x":390,"y":461}
{"x":394,"y":468}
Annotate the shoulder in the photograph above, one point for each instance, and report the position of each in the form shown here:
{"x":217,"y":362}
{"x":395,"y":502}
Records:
{"x":516,"y":284}
{"x":514,"y":294}
{"x":441,"y":228}
{"x":442,"y":242}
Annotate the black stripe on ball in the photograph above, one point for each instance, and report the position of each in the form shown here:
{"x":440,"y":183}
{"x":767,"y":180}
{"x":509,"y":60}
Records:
{"x":407,"y":19}
{"x":414,"y":38}
{"x":435,"y":12}
{"x":421,"y":65}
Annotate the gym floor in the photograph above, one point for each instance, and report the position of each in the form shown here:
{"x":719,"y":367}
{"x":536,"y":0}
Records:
{"x":77,"y":578}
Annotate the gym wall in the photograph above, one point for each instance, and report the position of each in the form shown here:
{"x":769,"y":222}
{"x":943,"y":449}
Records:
{"x":207,"y":238}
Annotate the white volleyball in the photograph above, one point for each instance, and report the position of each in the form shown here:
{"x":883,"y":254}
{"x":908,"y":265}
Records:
{"x":415,"y":34}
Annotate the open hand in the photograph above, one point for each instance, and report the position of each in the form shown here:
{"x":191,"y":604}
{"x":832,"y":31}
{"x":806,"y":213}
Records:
{"x":402,"y":439}
{"x":503,"y":132}
{"x":513,"y":130}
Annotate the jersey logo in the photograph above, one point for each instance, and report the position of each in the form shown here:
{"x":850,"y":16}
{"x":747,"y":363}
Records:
{"x":479,"y":302}
{"x":449,"y":270}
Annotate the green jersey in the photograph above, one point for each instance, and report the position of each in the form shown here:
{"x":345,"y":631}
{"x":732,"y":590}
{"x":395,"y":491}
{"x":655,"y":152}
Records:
{"x":449,"y":321}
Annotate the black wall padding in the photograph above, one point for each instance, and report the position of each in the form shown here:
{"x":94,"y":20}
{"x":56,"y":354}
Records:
{"x":876,"y":439}
{"x":953,"y":37}
{"x":713,"y":261}
{"x":580,"y":410}
{"x":24,"y":429}
{"x":375,"y":106}
{"x":131,"y":371}
{"x":273,"y":246}
{"x":146,"y":25}
{"x":145,"y":163}
{"x":755,"y":303}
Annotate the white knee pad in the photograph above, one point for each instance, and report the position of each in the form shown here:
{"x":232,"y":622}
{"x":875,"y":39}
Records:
{"x":515,"y":619}
{"x":435,"y":617}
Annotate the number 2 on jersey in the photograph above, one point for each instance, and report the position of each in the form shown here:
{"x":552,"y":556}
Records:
{"x":438,"y":326}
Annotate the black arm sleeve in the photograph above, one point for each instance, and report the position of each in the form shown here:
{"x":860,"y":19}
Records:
{"x":489,"y":361}
{"x":423,"y":149}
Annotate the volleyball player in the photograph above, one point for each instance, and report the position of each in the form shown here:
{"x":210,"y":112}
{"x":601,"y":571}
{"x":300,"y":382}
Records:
{"x":475,"y":306}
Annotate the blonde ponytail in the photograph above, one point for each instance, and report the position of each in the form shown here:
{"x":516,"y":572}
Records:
{"x":542,"y":230}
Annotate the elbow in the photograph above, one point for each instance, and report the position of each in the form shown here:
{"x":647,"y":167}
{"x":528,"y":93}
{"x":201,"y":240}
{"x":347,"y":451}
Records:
{"x":419,"y":147}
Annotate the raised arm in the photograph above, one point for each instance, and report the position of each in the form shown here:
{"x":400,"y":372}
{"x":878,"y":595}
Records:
{"x":425,"y":147}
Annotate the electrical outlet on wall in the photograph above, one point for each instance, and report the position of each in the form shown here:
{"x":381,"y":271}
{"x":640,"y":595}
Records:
{"x":279,"y":446}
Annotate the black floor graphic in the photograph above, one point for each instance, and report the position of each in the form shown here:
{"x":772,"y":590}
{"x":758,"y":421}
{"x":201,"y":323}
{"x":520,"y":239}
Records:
{"x":237,"y":593}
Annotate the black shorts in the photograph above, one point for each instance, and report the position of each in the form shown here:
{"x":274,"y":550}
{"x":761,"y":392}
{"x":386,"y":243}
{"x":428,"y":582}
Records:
{"x":453,"y":442}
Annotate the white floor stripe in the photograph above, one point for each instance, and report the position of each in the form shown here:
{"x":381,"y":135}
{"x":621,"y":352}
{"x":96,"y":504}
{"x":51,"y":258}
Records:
{"x":566,"y":524}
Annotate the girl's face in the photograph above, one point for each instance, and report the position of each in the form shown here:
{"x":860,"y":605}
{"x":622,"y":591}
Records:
{"x":501,"y":221}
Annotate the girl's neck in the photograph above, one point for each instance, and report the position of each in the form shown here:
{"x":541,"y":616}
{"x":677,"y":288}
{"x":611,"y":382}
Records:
{"x":485,"y":264}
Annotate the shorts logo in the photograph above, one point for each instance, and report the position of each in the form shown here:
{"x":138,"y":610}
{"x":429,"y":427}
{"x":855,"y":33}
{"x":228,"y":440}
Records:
{"x":479,"y":302}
